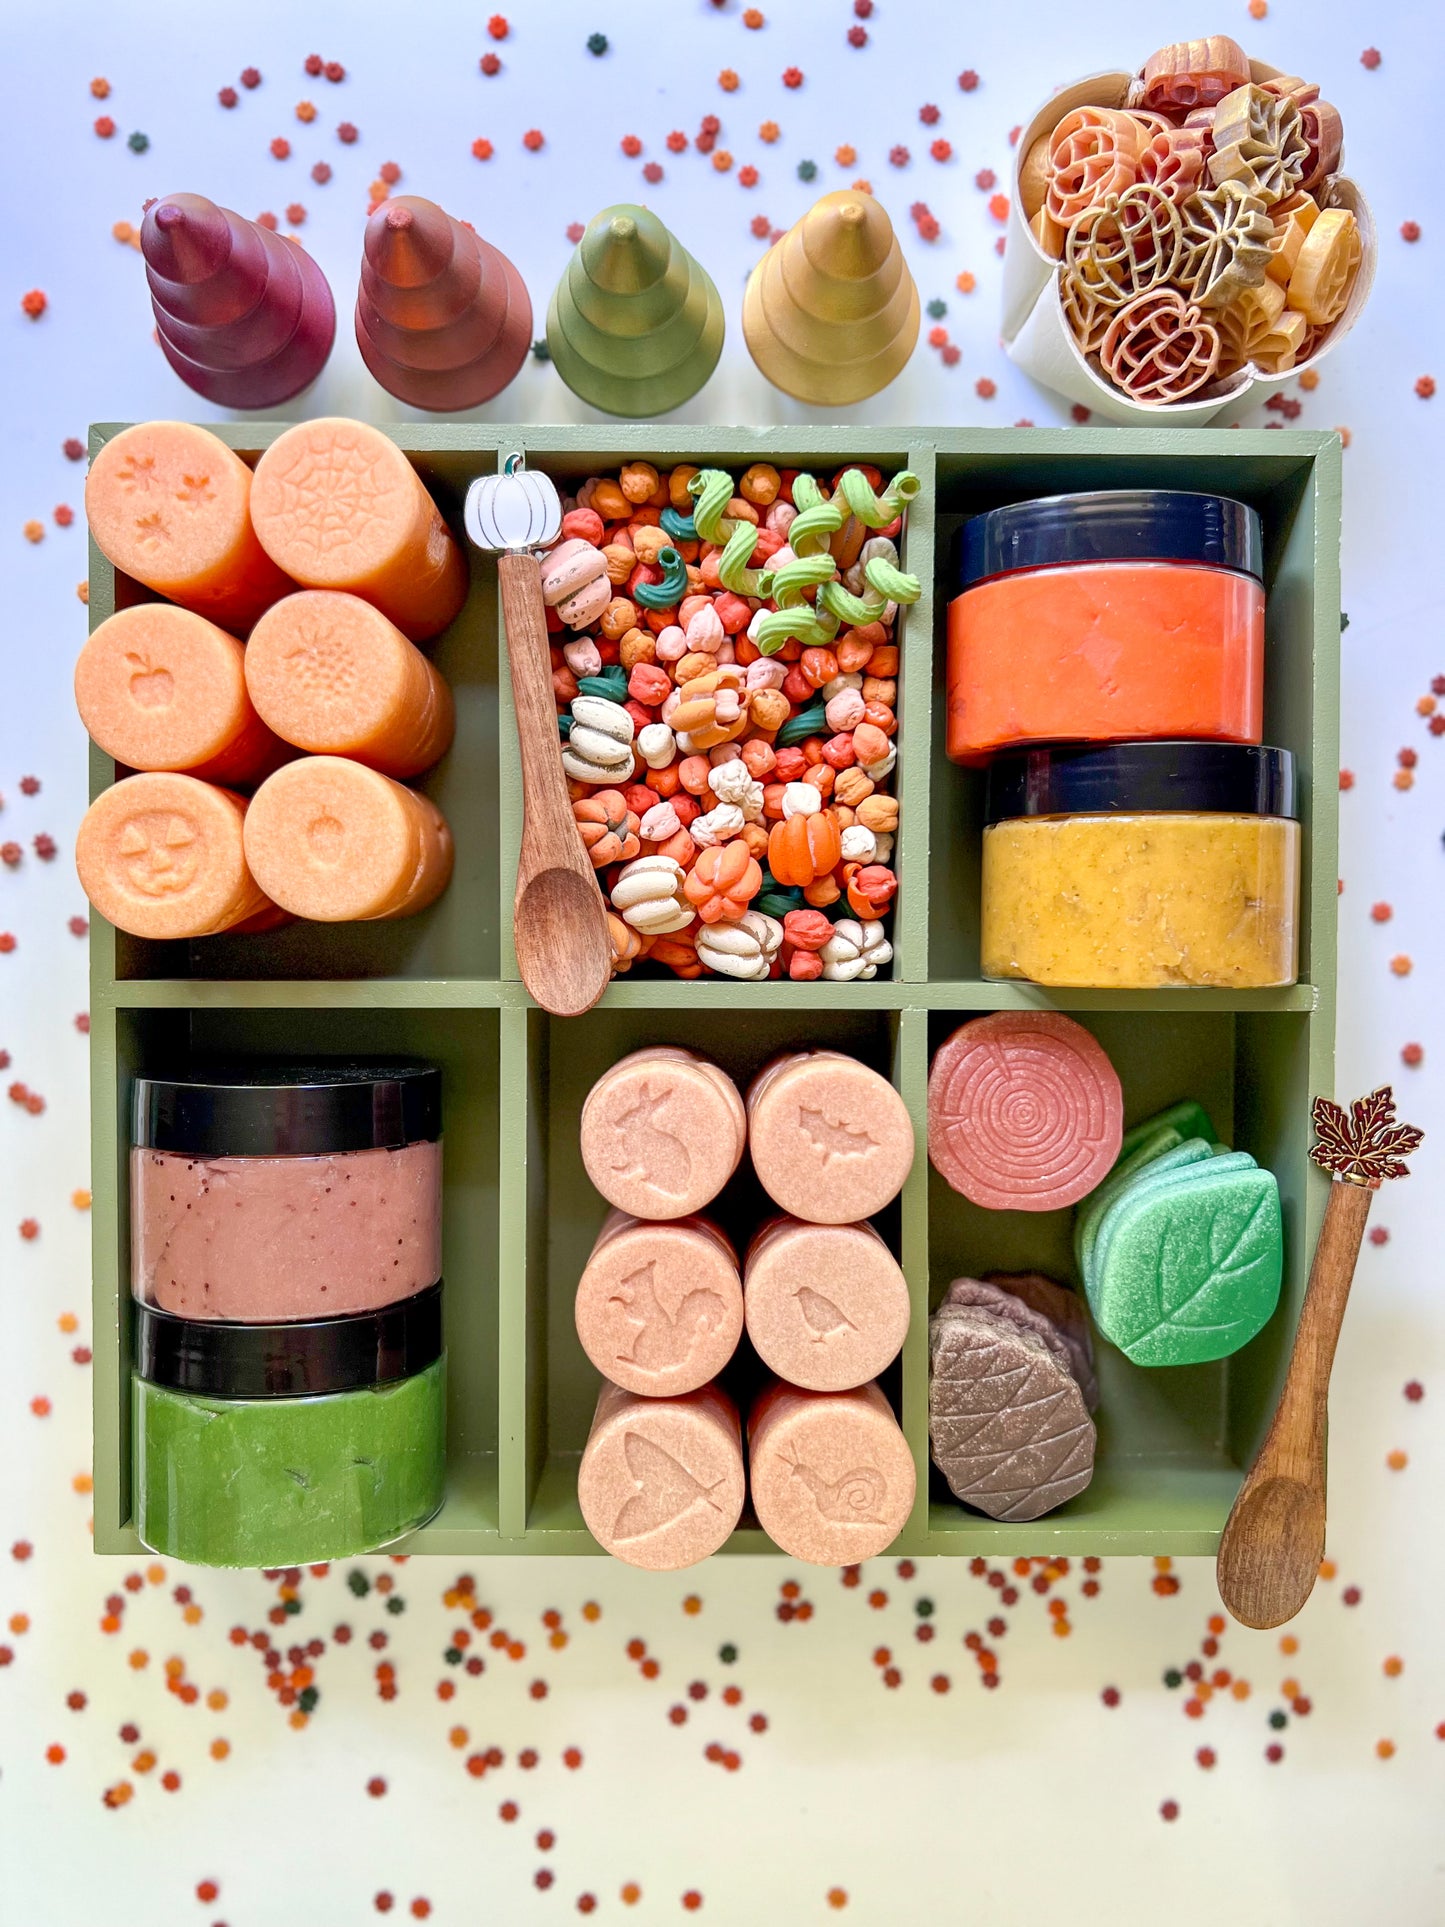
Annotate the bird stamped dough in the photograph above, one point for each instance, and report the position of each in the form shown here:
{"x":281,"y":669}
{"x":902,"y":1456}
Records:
{"x":826,"y":1305}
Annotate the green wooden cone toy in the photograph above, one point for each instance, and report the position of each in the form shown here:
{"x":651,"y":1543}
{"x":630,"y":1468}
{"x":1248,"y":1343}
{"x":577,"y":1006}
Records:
{"x":635,"y":325}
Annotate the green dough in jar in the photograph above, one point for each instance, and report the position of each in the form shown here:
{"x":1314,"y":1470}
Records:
{"x":1143,"y":901}
{"x":287,"y":1481}
{"x":1187,"y":1266}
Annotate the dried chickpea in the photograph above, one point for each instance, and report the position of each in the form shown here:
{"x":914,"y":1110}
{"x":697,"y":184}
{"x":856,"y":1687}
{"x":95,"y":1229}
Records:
{"x":853,"y":787}
{"x":677,"y":483}
{"x":760,"y":485}
{"x":695,"y":663}
{"x":773,"y":801}
{"x":617,"y":618}
{"x":821,"y":892}
{"x":635,"y":647}
{"x":564,"y":685}
{"x":584,"y":523}
{"x":846,"y":818}
{"x":637,"y":480}
{"x":853,"y":654}
{"x":768,"y":708}
{"x":879,"y":814}
{"x":742,"y":511}
{"x":609,"y":501}
{"x":818,"y":666}
{"x":880,"y":689}
{"x":647,"y":541}
{"x":875,"y":633}
{"x":756,"y":838}
{"x":822,"y":777}
{"x":884,"y":660}
{"x":760,"y":757}
{"x":693,"y":774}
{"x":621,"y":560}
{"x":882,"y":718}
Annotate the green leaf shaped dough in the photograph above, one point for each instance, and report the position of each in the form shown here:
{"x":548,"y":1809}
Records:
{"x":1191,"y":1273}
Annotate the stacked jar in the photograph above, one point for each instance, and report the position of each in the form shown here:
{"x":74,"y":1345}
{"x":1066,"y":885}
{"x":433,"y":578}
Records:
{"x":289,"y":1386}
{"x":662,"y":1305}
{"x":1106,"y":658}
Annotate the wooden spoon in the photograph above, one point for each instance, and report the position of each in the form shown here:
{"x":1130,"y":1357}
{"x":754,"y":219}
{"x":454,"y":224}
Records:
{"x":1274,"y":1540}
{"x":559,"y":919}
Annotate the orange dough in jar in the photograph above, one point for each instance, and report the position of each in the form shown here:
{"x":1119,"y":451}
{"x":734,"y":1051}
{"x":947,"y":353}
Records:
{"x":331,"y":674}
{"x":1105,"y":652}
{"x":162,"y":855}
{"x":336,"y":842}
{"x":169,"y":504}
{"x":338,"y":506}
{"x":162,"y":689}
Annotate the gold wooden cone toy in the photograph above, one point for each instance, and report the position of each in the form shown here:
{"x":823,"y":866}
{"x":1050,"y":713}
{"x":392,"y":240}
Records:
{"x":831,"y":312}
{"x":635,"y":325}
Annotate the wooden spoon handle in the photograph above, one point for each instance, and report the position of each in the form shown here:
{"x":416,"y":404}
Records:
{"x":549,"y":835}
{"x":1295,"y":1443}
{"x":1274,"y":1538}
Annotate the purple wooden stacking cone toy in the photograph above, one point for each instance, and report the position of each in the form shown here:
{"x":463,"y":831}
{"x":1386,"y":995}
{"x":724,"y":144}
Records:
{"x":244,"y":318}
{"x":443,"y":320}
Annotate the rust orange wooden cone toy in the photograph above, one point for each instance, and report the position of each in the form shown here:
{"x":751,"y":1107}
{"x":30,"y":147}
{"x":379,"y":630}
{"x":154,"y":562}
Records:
{"x":1274,"y":1538}
{"x":831,"y":312}
{"x":244,"y":318}
{"x":443,"y":320}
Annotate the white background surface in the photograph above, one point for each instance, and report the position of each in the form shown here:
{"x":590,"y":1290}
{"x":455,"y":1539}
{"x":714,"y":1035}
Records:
{"x":967,"y":1806}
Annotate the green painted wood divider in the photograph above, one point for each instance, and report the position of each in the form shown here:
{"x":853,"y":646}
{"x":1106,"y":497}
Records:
{"x":519,"y":1215}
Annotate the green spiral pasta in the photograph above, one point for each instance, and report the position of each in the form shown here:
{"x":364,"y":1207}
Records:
{"x":802,"y":624}
{"x":815,"y":520}
{"x":671,"y":589}
{"x":877,"y":511}
{"x":732,"y":569}
{"x":890,"y":581}
{"x":796,"y":577}
{"x":849,"y":608}
{"x":711,"y":490}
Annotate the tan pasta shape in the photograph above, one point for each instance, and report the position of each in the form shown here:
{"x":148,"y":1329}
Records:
{"x":1173,"y":161}
{"x":1291,"y":221}
{"x":1325,"y":271}
{"x":1227,"y":236}
{"x":1193,"y":73}
{"x":1159,"y":348}
{"x":1093,"y":151}
{"x":1132,"y":243}
{"x":1259,"y":141}
{"x":1258,"y":328}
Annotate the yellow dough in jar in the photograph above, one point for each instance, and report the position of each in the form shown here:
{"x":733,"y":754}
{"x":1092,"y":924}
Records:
{"x":1142,"y":902}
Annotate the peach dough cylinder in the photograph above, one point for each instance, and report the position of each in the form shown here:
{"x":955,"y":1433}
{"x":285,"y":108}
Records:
{"x":661,"y":1480}
{"x":338,"y":506}
{"x":336,"y":842}
{"x":169,"y":504}
{"x":329,"y":673}
{"x":831,"y":1475}
{"x":162,"y":689}
{"x":162,"y":855}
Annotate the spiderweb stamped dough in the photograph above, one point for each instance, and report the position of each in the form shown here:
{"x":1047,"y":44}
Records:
{"x":1025,"y":1111}
{"x":1159,"y":348}
{"x":1325,"y":269}
{"x":1227,"y":237}
{"x":1128,"y":245}
{"x":1093,"y":151}
{"x":1259,"y":141}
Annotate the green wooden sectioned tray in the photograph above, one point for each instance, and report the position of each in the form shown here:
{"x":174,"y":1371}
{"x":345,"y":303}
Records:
{"x":519,"y":1214}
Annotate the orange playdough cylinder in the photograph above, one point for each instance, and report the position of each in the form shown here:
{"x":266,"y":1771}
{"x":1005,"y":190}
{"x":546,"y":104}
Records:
{"x":334,"y":841}
{"x":162,"y":855}
{"x":338,"y":506}
{"x":162,"y":689}
{"x":169,"y":504}
{"x":1105,"y":652}
{"x":331,"y":674}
